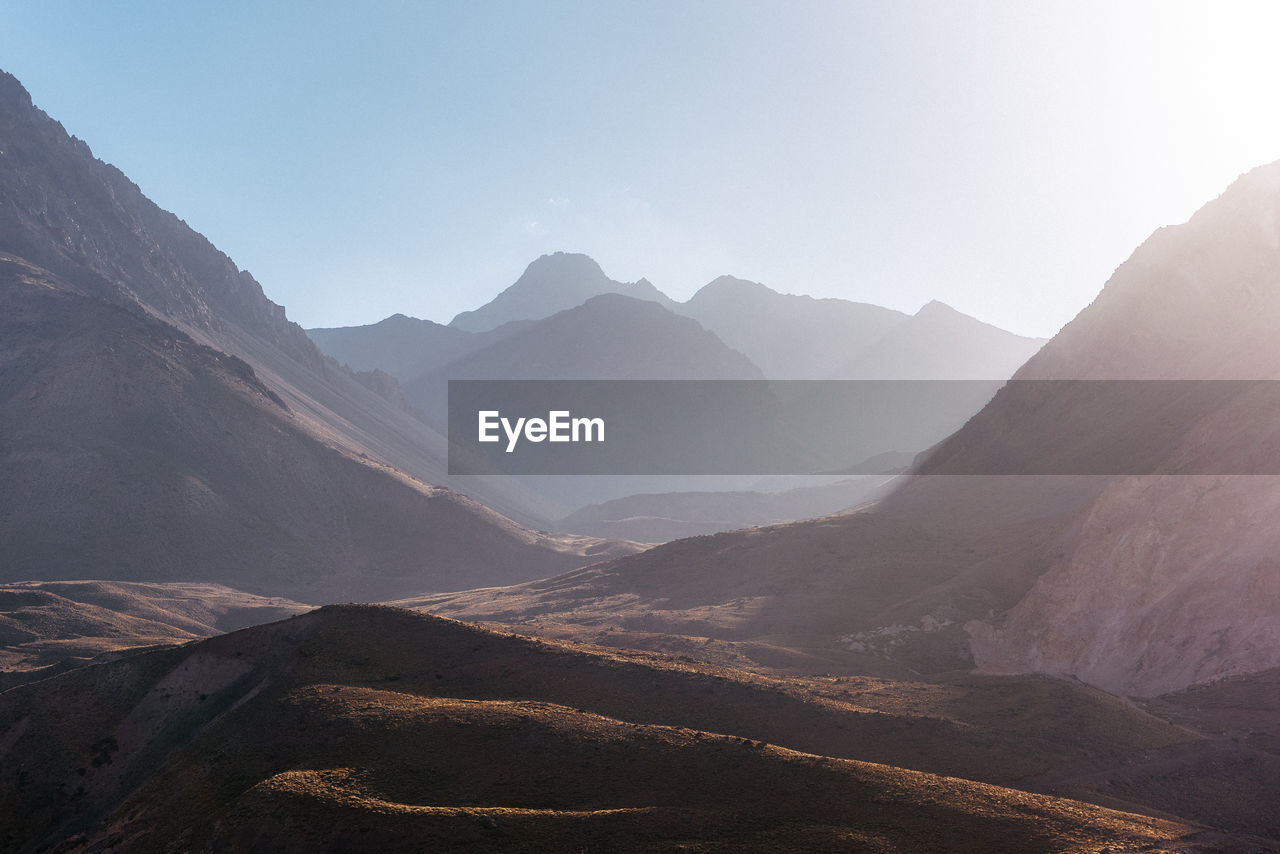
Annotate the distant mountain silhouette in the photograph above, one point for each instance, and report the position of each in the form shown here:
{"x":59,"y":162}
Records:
{"x":608,"y":337}
{"x":549,"y":285}
{"x":785,"y":335}
{"x":404,"y":347}
{"x":797,"y":336}
{"x":940,"y":343}
{"x":788,"y":336}
{"x":658,"y":518}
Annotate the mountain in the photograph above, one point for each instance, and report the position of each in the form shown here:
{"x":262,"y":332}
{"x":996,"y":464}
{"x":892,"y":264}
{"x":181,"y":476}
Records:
{"x":358,"y":728}
{"x":404,"y":347}
{"x":64,"y":211}
{"x":551,"y":284}
{"x":940,"y":343}
{"x":607,"y":337}
{"x":163,"y":420}
{"x":81,"y":219}
{"x":1167,"y":578}
{"x":1138,"y":558}
{"x":133,"y":453}
{"x":788,"y":336}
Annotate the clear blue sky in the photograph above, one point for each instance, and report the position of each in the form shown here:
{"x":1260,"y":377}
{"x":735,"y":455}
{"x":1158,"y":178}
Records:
{"x":367,"y":158}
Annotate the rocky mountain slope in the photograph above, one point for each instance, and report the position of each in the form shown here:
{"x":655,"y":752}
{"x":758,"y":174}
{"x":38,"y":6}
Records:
{"x":133,"y":453}
{"x":163,"y":420}
{"x":1168,"y":578}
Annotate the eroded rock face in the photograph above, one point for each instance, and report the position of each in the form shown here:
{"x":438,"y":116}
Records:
{"x":1171,"y":575}
{"x":1166,"y":581}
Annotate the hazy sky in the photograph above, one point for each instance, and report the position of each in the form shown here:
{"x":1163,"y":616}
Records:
{"x":366,"y":158}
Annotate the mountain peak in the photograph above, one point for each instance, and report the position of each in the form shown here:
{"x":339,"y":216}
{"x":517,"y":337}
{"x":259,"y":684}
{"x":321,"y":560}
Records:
{"x":564,"y":263}
{"x":13,"y":93}
{"x":724,"y":283}
{"x":730,"y":288}
{"x":550,"y":284}
{"x":936,"y":308}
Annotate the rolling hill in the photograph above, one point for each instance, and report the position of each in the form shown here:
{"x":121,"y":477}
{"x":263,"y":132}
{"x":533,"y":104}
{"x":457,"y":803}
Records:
{"x":373,"y":728}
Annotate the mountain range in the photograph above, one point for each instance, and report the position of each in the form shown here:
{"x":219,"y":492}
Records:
{"x":1151,"y":576}
{"x":163,"y":420}
{"x":1056,"y":632}
{"x":785,"y":336}
{"x":730,"y":329}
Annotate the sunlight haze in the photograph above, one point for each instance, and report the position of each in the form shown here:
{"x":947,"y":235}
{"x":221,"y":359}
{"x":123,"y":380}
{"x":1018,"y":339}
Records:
{"x":1002,"y":157}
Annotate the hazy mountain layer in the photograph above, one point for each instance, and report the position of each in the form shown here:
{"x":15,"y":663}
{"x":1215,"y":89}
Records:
{"x":607,"y":337}
{"x":551,"y":284}
{"x":404,"y":347}
{"x":940,"y":343}
{"x":1140,"y":584}
{"x":660,"y":517}
{"x":788,"y":336}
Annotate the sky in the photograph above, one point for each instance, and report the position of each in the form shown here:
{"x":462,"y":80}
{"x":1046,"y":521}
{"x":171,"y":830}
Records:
{"x":362,"y":159}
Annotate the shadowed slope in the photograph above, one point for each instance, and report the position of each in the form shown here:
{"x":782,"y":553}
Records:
{"x":134,"y":453}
